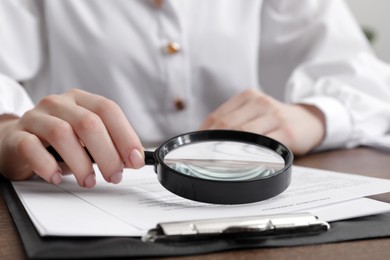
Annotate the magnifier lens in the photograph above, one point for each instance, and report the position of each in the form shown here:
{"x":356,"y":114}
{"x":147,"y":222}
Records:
{"x":225,"y":161}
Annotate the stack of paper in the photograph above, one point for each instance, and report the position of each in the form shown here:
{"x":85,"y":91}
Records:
{"x":139,"y":202}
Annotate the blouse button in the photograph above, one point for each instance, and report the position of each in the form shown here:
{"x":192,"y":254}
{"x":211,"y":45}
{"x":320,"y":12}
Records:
{"x":179,"y":103}
{"x":173,"y":47}
{"x":158,"y":3}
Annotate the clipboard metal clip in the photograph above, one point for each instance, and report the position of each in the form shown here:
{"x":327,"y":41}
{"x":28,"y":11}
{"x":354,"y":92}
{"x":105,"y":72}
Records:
{"x":253,"y":226}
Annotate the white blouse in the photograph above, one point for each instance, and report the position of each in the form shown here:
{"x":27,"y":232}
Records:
{"x":169,"y":64}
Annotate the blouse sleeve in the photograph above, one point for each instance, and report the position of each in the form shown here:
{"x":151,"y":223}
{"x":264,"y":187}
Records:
{"x":328,"y":63}
{"x":20,"y":52}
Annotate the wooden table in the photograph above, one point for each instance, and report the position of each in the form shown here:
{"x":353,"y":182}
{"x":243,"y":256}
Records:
{"x":361,"y":161}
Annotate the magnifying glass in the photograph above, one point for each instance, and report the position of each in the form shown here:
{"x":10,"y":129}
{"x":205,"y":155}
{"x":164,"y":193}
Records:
{"x":222,"y":166}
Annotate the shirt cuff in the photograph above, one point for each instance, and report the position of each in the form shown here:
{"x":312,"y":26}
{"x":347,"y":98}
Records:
{"x":337,"y":120}
{"x":13,"y":98}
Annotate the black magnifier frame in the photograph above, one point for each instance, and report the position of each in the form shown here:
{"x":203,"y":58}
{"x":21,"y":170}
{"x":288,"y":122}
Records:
{"x":217,"y":191}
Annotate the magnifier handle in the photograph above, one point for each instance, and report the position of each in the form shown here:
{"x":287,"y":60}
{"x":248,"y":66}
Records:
{"x":149,"y":156}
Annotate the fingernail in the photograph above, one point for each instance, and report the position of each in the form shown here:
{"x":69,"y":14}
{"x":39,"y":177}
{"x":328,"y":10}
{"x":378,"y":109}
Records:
{"x":116,"y":177}
{"x":56,"y":178}
{"x":90,"y":181}
{"x":137,"y":159}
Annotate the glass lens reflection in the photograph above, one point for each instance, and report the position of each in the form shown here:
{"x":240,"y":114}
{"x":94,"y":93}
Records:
{"x":225,"y":161}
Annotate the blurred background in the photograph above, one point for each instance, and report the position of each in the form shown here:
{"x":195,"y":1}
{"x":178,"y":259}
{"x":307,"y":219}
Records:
{"x":374,"y":18}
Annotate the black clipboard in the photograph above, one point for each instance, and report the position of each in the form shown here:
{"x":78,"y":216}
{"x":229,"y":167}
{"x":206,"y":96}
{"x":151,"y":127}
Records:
{"x":37,"y":247}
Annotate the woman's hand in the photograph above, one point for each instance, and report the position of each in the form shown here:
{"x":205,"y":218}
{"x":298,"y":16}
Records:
{"x":300,"y":127}
{"x":68,"y":122}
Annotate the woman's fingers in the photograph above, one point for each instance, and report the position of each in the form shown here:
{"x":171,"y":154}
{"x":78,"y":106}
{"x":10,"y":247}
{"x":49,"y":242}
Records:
{"x":301,"y":127}
{"x":59,"y":134}
{"x":70,"y":123}
{"x":241,"y":111}
{"x":260,"y":125}
{"x":220,"y":117}
{"x":87,"y":128}
{"x":34,"y":156}
{"x":101,"y":126}
{"x":122,"y":134}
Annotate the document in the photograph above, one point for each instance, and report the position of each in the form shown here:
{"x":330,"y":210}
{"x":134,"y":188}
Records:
{"x":139,"y":202}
